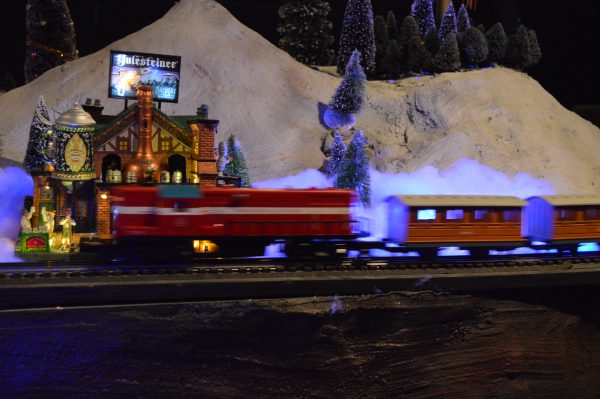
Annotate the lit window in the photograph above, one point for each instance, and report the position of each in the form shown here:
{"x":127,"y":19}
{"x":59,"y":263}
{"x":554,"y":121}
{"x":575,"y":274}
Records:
{"x":591,"y":213}
{"x":165,"y":145}
{"x":454,"y":214}
{"x":566,"y":214}
{"x":123,"y":145}
{"x":426,"y":214}
{"x":511,"y":215}
{"x":480,"y":215}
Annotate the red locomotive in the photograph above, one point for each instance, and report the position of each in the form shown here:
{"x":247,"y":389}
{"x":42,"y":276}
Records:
{"x":226,"y":221}
{"x":229,"y":221}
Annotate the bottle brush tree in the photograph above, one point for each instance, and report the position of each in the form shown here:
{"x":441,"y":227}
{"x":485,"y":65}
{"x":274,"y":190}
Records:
{"x":463,"y":23}
{"x":354,"y":169}
{"x":357,"y":33}
{"x":496,"y":40}
{"x":392,"y":26}
{"x":474,"y":48}
{"x":348,"y":97}
{"x":422,"y":11}
{"x":305,"y":31}
{"x":338,"y":149}
{"x":236,"y":162}
{"x":534,"y":48}
{"x":381,"y":44}
{"x":40,"y":133}
{"x":50,"y":36}
{"x":448,"y":24}
{"x":447,"y":58}
{"x":518,"y":53}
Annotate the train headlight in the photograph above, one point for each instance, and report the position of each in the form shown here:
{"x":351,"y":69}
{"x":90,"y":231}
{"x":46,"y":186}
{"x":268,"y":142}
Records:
{"x":205,"y":247}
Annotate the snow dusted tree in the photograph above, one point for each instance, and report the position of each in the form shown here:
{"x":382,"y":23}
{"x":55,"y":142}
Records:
{"x":432,"y":42}
{"x":447,"y":58}
{"x":348,"y":97}
{"x":35,"y":155}
{"x":463,"y":23}
{"x":518,"y":53}
{"x":381,"y":44}
{"x":393,"y":60}
{"x":392,"y":26}
{"x":338,"y":149}
{"x":357,"y":34}
{"x":50,"y":36}
{"x":422,"y":11}
{"x":534,"y":48}
{"x":305,"y":31}
{"x":236,"y":162}
{"x":497,"y":40}
{"x":408,"y":30}
{"x":474,"y":49}
{"x":448,"y":23}
{"x":417,"y":56}
{"x":354,"y":169}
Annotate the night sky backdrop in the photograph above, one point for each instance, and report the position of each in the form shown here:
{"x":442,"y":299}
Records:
{"x":566,"y":31}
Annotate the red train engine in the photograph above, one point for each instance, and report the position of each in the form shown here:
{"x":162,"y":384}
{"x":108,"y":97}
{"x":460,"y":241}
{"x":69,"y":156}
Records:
{"x":226,"y":221}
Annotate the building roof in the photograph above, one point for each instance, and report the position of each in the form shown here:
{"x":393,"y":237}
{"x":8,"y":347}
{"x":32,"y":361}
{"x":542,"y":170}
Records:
{"x":439,"y":201}
{"x":107,"y":126}
{"x":570,"y":200}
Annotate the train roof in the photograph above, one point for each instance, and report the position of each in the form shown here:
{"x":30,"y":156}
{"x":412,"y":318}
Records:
{"x":570,"y":200}
{"x":487,"y":201}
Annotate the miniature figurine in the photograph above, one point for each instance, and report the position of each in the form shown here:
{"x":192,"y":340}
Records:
{"x":67,"y":224}
{"x":26,"y":218}
{"x":48,"y":219}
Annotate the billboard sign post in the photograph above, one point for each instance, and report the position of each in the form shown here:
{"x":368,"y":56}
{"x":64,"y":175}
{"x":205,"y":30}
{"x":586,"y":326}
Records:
{"x":128,"y":70}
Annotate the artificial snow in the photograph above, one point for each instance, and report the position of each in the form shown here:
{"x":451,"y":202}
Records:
{"x":500,"y":118}
{"x":15,"y":184}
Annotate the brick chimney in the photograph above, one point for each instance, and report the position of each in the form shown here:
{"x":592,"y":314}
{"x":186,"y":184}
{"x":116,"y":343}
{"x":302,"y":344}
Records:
{"x":144,"y":159}
{"x":204,"y":162}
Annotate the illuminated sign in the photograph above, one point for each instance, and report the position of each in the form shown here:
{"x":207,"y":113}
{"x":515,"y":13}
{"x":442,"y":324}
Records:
{"x":128,"y":70}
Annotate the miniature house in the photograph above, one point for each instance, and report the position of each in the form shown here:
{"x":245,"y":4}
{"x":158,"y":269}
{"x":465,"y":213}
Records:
{"x":139,"y":145}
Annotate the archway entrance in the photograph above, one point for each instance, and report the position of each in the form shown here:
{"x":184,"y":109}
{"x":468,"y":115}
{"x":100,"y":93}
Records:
{"x":110,"y":162}
{"x":177,"y":162}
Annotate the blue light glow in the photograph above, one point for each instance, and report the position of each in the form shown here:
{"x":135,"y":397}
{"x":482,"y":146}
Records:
{"x":426,"y":214}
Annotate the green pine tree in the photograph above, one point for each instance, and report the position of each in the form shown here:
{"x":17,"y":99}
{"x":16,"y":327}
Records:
{"x":497,"y":40}
{"x":236,"y":165}
{"x":518,"y":53}
{"x":305,"y":31}
{"x":50,"y":36}
{"x":534,"y":48}
{"x":338,"y":149}
{"x":447,"y":58}
{"x":381,"y":44}
{"x":35,"y":155}
{"x":393,"y":60}
{"x":348,"y":97}
{"x":354,"y":169}
{"x":473,"y":47}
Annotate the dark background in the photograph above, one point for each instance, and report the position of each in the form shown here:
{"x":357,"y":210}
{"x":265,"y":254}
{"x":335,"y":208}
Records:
{"x":566,"y":31}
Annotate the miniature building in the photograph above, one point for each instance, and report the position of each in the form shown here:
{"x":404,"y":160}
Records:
{"x":141,"y":144}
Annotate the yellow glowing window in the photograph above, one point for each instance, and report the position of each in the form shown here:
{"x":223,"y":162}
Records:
{"x":123,"y":145}
{"x":165,"y":145}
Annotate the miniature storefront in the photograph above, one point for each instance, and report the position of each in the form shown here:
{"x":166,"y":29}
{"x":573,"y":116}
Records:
{"x":95,"y":152}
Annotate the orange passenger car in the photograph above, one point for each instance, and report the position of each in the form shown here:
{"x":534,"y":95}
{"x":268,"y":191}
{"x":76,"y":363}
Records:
{"x":563,"y":219}
{"x":466,"y":221}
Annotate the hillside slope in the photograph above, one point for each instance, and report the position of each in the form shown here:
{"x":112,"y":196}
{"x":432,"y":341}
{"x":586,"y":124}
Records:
{"x":498,"y":117}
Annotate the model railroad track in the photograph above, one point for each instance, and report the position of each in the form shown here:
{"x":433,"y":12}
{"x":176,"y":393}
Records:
{"x":73,"y":268}
{"x":29,"y":286}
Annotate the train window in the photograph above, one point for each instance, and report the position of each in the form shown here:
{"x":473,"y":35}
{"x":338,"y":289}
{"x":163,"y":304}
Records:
{"x":566,"y":214}
{"x":426,"y":214}
{"x":591,"y":213}
{"x":455,"y":214}
{"x":481,"y":215}
{"x":511,"y":215}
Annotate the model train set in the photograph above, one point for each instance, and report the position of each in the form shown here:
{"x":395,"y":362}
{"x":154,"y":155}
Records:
{"x":313,"y":223}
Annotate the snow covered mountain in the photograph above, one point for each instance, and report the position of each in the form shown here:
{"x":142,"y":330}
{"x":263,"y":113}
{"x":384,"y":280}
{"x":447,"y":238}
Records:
{"x":497,"y":117}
